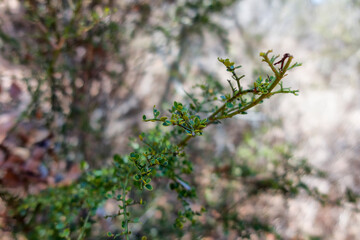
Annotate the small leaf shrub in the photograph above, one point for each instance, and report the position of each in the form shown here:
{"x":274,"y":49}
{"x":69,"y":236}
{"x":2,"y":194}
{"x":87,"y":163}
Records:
{"x":156,"y":187}
{"x":160,"y":163}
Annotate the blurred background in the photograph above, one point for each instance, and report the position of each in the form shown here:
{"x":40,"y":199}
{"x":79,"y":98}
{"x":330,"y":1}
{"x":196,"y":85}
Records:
{"x":77,"y":76}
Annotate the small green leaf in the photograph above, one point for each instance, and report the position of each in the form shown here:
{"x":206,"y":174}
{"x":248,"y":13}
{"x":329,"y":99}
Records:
{"x":118,"y":197}
{"x":59,"y":226}
{"x":144,"y":117}
{"x":156,"y":112}
{"x":98,"y":173}
{"x":229,"y":105}
{"x":117,"y":158}
{"x":137,"y":177}
{"x":84,"y":165}
{"x":179,"y":107}
{"x":106,"y":11}
{"x":167,"y":123}
{"x":134,"y":156}
{"x":294,"y":66}
{"x":148,"y":187}
{"x":65,"y":233}
{"x":226,"y":62}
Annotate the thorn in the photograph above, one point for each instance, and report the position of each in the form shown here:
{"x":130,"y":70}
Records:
{"x":286,"y":55}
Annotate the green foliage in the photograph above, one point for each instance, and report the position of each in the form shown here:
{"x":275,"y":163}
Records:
{"x":160,"y":162}
{"x":64,"y":208}
{"x":180,"y":116}
{"x":160,"y":156}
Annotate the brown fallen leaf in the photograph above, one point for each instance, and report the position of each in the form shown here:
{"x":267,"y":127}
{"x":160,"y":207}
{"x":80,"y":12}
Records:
{"x":15,"y":91}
